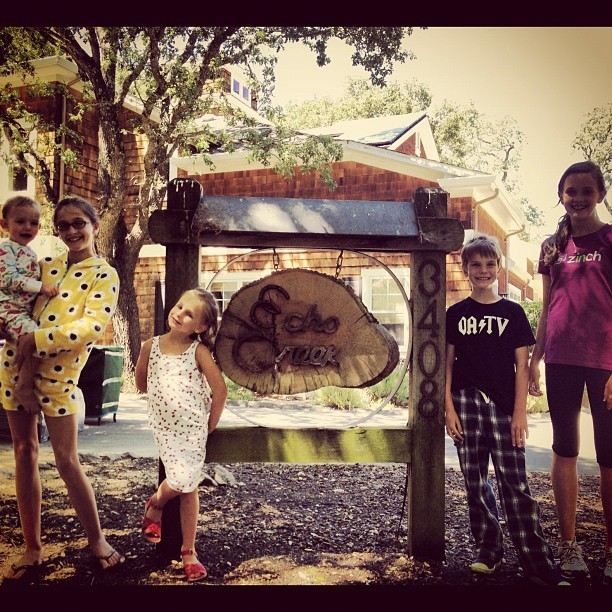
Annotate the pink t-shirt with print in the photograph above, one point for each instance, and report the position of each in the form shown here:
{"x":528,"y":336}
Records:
{"x":579,"y":328}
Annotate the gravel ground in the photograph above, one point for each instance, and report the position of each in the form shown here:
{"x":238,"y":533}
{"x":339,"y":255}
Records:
{"x":281,"y":524}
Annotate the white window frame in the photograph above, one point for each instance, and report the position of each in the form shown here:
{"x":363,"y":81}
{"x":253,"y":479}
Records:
{"x":235,"y":277}
{"x":514,"y":293}
{"x":370,"y":274}
{"x":6,"y":190}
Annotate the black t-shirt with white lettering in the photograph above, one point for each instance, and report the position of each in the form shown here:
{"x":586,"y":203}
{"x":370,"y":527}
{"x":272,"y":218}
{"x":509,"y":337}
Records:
{"x":485,"y":337}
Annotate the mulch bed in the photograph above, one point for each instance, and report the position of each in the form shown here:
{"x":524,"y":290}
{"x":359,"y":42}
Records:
{"x":282,"y":524}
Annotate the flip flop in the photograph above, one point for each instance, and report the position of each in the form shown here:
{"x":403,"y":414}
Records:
{"x":23,"y":573}
{"x":107,"y":558}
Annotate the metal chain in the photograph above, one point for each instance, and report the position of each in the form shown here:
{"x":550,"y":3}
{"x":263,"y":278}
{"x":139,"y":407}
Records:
{"x":339,"y":264}
{"x":275,"y":259}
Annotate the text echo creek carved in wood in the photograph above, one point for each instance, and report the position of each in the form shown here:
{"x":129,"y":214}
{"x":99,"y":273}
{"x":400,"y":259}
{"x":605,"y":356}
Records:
{"x":300,"y":330}
{"x":293,"y":323}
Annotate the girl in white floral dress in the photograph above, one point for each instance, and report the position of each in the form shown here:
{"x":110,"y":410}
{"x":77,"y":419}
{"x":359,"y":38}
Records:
{"x":186,"y":396}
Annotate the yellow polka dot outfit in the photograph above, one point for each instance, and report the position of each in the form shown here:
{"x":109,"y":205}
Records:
{"x":178,"y":406}
{"x":70,"y":323}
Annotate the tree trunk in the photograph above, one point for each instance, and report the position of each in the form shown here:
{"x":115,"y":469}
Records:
{"x":126,"y":322}
{"x":112,"y":180}
{"x":114,"y":243}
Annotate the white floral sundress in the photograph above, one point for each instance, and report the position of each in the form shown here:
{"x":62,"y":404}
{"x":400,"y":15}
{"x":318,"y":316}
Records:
{"x":178,"y":406}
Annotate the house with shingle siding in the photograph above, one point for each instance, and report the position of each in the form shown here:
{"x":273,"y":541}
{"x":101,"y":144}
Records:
{"x":384,"y":159}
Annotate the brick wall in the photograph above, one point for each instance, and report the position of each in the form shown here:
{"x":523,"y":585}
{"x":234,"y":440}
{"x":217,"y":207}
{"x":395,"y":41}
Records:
{"x":82,"y":180}
{"x":457,"y":285}
{"x":462,"y":209}
{"x":409,"y":146}
{"x":355,"y":182}
{"x":149,"y":271}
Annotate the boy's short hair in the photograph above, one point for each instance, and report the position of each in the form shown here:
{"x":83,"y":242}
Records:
{"x":483,"y":245}
{"x":16,"y":202}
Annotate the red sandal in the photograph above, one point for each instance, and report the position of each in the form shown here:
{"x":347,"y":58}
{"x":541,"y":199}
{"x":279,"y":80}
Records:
{"x":194,"y":571}
{"x":151,"y":530}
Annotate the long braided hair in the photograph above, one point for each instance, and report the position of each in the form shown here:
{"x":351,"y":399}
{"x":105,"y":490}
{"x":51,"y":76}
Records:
{"x":556,"y":243}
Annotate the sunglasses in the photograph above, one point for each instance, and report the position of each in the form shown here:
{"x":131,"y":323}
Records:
{"x":64,"y":226}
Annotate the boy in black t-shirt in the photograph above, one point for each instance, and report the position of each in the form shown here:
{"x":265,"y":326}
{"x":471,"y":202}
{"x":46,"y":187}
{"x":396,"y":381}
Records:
{"x":487,"y":374}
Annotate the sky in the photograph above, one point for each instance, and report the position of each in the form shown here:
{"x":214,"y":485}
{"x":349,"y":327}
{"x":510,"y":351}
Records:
{"x":546,"y":78}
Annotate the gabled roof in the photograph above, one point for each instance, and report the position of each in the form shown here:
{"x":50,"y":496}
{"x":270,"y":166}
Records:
{"x":389,"y":131}
{"x":373,"y":141}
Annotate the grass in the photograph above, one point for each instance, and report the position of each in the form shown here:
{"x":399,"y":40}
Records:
{"x":341,"y":398}
{"x":236,"y":392}
{"x":381,"y":390}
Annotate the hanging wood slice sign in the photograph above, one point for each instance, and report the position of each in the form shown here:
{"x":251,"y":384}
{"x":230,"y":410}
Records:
{"x":299,"y":330}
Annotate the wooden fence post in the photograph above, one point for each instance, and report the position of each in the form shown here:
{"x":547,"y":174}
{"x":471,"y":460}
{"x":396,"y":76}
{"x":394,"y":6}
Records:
{"x":426,"y":420}
{"x":183,"y":264}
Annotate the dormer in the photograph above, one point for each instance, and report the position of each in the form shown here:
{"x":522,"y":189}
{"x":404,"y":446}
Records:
{"x":237,"y":85}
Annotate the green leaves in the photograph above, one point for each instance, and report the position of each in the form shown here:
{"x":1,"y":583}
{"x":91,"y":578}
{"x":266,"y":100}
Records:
{"x":594,"y":141}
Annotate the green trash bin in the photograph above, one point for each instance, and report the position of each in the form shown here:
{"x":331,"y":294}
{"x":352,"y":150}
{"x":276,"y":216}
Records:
{"x":101,"y":381}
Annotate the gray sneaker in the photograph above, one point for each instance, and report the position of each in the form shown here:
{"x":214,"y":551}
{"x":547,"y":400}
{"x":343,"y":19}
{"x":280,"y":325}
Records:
{"x":571,"y":561}
{"x":607,"y":574}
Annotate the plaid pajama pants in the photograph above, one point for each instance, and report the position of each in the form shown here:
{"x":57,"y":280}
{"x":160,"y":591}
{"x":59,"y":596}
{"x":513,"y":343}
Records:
{"x":486,"y":431}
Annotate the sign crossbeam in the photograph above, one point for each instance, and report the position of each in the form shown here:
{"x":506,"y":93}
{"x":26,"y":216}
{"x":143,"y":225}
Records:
{"x":247,"y":222}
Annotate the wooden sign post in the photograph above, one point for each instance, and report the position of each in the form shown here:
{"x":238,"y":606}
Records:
{"x":420,"y":228}
{"x":183,"y":261}
{"x":426,"y":388}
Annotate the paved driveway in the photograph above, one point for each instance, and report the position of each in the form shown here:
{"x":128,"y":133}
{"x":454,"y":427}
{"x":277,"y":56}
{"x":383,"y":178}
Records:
{"x":130,"y":432}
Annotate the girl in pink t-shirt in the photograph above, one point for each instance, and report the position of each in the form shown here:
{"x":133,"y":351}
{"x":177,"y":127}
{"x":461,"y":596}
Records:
{"x":574,"y":337}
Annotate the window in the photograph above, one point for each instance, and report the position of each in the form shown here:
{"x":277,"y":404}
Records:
{"x":228,"y":283}
{"x":13,"y":179}
{"x":245,"y":93}
{"x":514,"y":293}
{"x":236,"y":86}
{"x":223,"y":291}
{"x":354,"y":282}
{"x":384,"y":299}
{"x":19,"y":180}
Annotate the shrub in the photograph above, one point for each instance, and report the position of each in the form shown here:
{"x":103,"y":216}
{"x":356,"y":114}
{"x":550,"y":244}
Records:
{"x":341,"y":398}
{"x":381,"y":390}
{"x":236,"y":392}
{"x":532,"y":310}
{"x":536,"y":404}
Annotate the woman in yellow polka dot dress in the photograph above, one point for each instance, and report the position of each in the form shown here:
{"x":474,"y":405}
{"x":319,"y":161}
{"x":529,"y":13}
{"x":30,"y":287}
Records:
{"x":70,"y":323}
